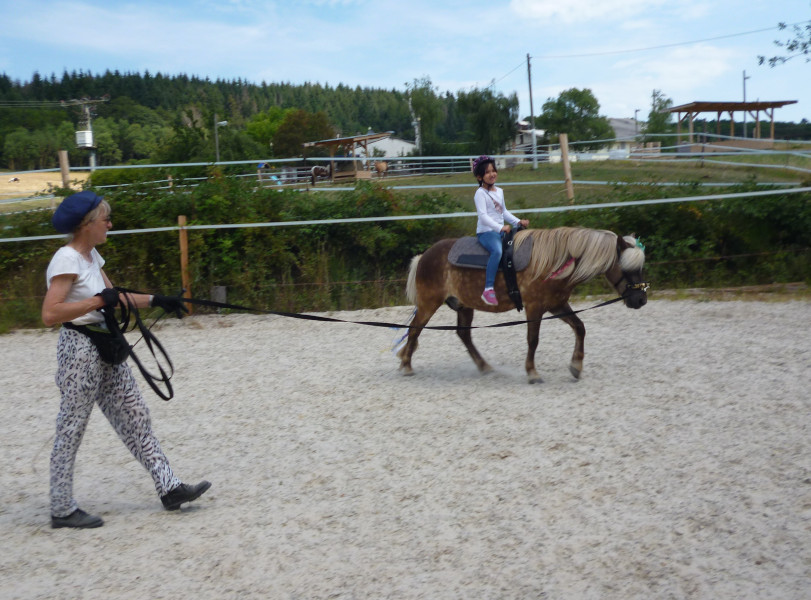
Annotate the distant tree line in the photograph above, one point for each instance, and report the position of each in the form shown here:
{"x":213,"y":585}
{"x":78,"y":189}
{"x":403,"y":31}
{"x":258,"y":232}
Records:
{"x":171,"y":119}
{"x":158,"y":118}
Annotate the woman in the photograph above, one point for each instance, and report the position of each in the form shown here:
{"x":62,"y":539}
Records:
{"x":77,"y":289}
{"x":492,"y":213}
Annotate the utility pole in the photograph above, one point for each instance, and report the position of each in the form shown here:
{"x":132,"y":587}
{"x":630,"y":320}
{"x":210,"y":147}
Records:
{"x":84,"y":131}
{"x":532,"y":116}
{"x":744,"y":101}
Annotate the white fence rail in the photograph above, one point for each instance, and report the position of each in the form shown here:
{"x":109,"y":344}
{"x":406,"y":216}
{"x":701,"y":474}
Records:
{"x":548,"y":209}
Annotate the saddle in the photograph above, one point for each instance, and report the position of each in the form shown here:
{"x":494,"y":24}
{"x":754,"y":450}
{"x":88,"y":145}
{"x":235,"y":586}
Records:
{"x":467,"y":252}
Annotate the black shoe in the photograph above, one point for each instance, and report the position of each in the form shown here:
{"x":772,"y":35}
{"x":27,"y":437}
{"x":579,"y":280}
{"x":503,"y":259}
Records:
{"x":78,"y":519}
{"x":184,"y":493}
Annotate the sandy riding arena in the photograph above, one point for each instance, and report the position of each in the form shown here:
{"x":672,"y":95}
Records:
{"x":679,"y":466}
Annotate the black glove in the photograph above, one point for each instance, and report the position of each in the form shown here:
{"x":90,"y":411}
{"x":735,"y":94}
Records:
{"x":110,"y":297}
{"x":170,"y":304}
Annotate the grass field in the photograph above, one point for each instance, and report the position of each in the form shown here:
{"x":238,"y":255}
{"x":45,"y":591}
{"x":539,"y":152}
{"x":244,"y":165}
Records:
{"x":637,"y":172}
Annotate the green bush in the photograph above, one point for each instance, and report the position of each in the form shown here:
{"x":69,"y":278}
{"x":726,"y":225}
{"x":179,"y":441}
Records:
{"x":349,"y":266}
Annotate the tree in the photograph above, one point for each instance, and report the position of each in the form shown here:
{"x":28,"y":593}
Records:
{"x":143,"y":141}
{"x":300,"y":126}
{"x":799,"y":45}
{"x":426,"y":110}
{"x":107,"y":150}
{"x":576,"y":113}
{"x":659,"y":119}
{"x":46,"y":144}
{"x":491,"y":118}
{"x":235,"y":144}
{"x":66,"y":140}
{"x":263,"y":126}
{"x":19,"y":149}
{"x":188,"y":141}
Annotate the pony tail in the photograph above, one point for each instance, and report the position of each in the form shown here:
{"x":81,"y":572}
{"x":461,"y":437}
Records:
{"x":411,"y":282}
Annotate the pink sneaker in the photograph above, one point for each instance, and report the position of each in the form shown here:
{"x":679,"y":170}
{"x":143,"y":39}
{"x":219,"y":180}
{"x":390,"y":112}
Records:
{"x":489,"y":297}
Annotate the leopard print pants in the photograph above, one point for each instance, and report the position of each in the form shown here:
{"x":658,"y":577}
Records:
{"x":83,"y":380}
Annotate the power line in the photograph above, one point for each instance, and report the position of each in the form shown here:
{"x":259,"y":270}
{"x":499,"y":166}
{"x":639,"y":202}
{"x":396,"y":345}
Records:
{"x":51,"y":103}
{"x":629,"y":50}
{"x":493,"y":82}
{"x":518,"y":66}
{"x":31,"y":104}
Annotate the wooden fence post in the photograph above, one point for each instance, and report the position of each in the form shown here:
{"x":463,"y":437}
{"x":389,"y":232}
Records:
{"x":567,"y":168}
{"x":64,"y":168}
{"x":184,"y":259}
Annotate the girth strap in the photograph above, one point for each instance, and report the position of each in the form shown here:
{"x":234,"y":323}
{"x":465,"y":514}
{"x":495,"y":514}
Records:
{"x":508,"y":267}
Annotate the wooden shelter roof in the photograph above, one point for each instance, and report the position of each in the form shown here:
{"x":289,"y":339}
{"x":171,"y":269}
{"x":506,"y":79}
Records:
{"x":700,"y":106}
{"x":351,"y":140}
{"x":353,"y":169}
{"x":692,"y":109}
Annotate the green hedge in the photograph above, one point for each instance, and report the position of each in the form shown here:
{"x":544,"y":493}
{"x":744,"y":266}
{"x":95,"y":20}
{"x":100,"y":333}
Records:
{"x":350,"y":266}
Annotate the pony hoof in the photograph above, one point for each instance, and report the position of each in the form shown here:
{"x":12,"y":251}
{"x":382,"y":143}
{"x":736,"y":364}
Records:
{"x":535,"y":379}
{"x":407,"y":371}
{"x":575,"y":372}
{"x":485,"y":369}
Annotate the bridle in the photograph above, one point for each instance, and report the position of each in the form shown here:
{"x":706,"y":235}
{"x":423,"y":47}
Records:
{"x":642,"y":286}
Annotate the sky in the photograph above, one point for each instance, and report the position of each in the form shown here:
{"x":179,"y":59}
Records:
{"x":622,"y":50}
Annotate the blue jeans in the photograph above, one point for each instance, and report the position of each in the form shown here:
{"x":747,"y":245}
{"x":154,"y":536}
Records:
{"x":491,"y":240}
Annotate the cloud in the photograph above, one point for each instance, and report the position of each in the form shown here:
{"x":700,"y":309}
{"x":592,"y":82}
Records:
{"x":683,"y":72}
{"x":571,"y":11}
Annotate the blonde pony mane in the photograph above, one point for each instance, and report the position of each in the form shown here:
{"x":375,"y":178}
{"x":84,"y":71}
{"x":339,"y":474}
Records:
{"x":595,"y":251}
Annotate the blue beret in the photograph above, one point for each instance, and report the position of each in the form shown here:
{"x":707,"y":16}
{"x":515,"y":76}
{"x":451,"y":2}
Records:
{"x":73,"y":209}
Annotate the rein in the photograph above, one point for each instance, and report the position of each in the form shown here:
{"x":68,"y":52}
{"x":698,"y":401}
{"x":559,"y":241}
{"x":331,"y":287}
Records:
{"x":304,"y":316}
{"x":131,"y":320}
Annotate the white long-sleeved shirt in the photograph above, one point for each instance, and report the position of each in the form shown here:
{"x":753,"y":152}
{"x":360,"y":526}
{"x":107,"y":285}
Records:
{"x":490,"y":219}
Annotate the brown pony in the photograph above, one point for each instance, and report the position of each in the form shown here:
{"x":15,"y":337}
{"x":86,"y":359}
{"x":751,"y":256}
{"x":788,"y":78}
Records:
{"x":382,"y":167}
{"x":560,"y":259}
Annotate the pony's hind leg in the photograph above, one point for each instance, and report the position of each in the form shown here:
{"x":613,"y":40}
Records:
{"x":576,"y":366}
{"x":464,"y":317}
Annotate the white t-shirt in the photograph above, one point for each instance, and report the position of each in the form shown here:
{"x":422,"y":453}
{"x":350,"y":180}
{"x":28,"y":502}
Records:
{"x":88,"y":282}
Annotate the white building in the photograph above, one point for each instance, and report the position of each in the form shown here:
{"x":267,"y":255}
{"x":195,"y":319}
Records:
{"x":392,"y":147}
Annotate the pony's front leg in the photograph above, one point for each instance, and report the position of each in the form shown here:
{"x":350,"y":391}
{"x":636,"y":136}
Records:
{"x":533,"y":335}
{"x":576,"y":366}
{"x":464,"y":318}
